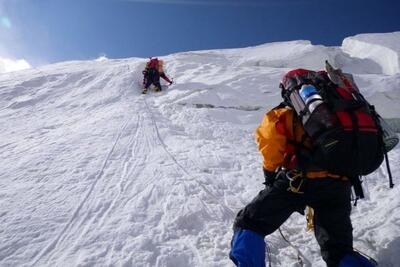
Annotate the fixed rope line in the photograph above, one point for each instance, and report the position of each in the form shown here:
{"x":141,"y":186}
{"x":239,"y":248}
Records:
{"x":299,"y":259}
{"x":229,"y":210}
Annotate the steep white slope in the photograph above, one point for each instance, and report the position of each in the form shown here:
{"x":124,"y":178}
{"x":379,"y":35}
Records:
{"x":87,"y":179}
{"x":382,"y":48}
{"x":96,"y":174}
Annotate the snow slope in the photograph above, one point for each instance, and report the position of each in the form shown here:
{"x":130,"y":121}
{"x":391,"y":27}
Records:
{"x":96,"y":174}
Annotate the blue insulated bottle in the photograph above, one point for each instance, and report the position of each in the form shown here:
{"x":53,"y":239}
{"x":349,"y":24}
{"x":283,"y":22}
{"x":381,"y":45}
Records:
{"x":317,"y":115}
{"x":310,"y":97}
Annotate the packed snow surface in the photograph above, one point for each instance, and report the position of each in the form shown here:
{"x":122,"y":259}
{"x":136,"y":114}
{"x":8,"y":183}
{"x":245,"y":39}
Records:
{"x":96,"y":174}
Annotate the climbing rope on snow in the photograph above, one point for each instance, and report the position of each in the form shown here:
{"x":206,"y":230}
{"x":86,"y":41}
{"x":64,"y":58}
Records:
{"x":268,"y":254}
{"x":299,"y":254}
{"x":228,"y":209}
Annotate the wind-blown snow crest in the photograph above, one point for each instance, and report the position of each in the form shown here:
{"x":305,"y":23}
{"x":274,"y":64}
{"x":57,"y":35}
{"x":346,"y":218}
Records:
{"x":96,"y":174}
{"x":8,"y":65}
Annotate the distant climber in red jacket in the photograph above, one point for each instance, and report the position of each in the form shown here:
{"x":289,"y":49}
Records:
{"x":152,"y":73}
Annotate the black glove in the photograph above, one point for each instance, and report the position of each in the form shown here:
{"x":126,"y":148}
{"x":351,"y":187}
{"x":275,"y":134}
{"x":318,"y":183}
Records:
{"x":269,"y":177}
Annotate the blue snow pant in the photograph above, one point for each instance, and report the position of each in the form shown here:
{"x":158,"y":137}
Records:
{"x":356,"y":260}
{"x":331,"y":200}
{"x":248,"y":249}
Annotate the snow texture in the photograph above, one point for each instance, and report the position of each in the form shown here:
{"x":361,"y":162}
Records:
{"x":96,"y":174}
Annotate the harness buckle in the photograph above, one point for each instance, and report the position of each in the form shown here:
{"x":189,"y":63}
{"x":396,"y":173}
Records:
{"x":295,"y":181}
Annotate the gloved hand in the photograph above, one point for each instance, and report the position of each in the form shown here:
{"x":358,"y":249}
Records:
{"x":171,"y":82}
{"x":269,"y":177}
{"x":247,"y":248}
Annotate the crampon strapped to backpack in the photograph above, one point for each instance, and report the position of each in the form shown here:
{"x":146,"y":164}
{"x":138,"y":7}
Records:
{"x":346,"y":131}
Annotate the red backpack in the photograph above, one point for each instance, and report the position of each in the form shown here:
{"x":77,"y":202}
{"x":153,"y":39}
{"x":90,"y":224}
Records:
{"x":153,"y":63}
{"x":343,"y":126}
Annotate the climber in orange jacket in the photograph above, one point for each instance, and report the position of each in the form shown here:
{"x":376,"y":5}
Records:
{"x":293,"y":182}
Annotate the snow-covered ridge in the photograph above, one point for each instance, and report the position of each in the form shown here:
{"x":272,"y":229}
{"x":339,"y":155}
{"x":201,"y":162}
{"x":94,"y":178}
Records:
{"x":96,"y":174}
{"x":382,"y":48}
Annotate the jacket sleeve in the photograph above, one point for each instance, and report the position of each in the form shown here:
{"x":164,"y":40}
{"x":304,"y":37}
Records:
{"x":162,"y":75}
{"x":271,"y":139}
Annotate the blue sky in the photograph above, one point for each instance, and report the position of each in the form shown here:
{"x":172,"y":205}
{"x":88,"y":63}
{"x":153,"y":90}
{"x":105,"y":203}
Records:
{"x":46,"y":31}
